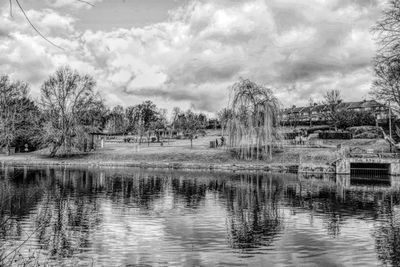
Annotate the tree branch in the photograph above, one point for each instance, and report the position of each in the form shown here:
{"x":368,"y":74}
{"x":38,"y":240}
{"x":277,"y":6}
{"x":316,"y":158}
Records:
{"x":34,"y":27}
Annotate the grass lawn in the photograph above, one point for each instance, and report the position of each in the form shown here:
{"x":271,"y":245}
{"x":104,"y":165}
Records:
{"x":180,"y":151}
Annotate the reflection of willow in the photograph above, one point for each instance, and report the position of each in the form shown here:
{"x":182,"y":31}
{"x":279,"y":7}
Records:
{"x":191,"y":190}
{"x":254,"y":217}
{"x":139,"y":189}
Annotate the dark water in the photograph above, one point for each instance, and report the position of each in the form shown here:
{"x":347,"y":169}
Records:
{"x":118,"y":217}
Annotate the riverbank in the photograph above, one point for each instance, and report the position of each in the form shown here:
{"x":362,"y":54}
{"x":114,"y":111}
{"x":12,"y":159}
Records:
{"x":232,"y":167}
{"x":180,"y":155}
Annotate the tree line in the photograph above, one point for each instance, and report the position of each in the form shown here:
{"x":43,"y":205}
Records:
{"x":70,"y":109}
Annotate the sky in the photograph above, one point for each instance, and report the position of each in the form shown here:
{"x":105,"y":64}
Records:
{"x":188,"y":53}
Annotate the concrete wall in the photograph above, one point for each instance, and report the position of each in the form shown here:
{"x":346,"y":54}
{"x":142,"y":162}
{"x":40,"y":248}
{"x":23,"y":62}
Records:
{"x":394,"y":169}
{"x":343,"y":165}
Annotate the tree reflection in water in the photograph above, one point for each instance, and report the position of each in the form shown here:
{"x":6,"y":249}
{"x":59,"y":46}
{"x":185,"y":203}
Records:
{"x":64,"y":208}
{"x":387,"y":230}
{"x":254,"y":217}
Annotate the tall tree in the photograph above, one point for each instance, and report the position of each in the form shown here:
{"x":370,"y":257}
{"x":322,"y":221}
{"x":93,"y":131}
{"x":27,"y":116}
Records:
{"x":148,"y":112}
{"x":332,"y":100}
{"x":191,"y":124}
{"x":65,"y":97}
{"x":254,"y":121}
{"x":159,"y":123}
{"x":386,"y":85}
{"x":143,"y":118}
{"x":18,"y":114}
{"x":117,"y":121}
{"x":310,"y":109}
{"x":176,"y":111}
{"x":91,"y":120}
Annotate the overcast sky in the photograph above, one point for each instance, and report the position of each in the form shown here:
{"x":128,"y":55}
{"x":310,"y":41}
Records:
{"x":187,"y":53}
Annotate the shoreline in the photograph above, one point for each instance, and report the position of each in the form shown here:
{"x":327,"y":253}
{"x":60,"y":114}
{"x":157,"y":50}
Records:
{"x":200,"y":166}
{"x":180,"y":156}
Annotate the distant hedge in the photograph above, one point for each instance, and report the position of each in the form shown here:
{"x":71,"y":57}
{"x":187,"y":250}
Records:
{"x":290,"y":136}
{"x":335,"y":135}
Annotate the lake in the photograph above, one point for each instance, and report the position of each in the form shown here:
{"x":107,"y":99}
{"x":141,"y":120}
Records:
{"x":126,"y":216}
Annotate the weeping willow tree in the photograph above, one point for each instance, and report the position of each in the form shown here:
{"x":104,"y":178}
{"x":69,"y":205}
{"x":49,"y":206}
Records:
{"x":253,"y":124}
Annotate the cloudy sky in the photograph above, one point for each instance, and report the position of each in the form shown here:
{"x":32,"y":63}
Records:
{"x":187,"y":53}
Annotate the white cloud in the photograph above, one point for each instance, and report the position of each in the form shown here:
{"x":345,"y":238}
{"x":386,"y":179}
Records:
{"x":299,"y":48}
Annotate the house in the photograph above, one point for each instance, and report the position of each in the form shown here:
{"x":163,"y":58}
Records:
{"x":319,"y":113}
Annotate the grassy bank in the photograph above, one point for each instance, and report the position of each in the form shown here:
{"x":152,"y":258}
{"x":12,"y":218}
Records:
{"x":179,"y":154}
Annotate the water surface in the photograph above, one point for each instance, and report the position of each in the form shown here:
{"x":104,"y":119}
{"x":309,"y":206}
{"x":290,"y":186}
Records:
{"x":114,"y":217}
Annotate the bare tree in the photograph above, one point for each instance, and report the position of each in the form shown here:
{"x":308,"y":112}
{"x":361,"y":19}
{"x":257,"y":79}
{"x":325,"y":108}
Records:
{"x":310,"y":109}
{"x":332,"y":100}
{"x":176,"y":111}
{"x":386,"y":85}
{"x":388,"y":33}
{"x":65,"y":97}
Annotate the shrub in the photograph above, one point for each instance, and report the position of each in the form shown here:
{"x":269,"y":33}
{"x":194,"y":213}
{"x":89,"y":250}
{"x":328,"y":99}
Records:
{"x":367,"y":135}
{"x":351,"y":118}
{"x":318,"y":129}
{"x":290,"y":136}
{"x":366,"y":132}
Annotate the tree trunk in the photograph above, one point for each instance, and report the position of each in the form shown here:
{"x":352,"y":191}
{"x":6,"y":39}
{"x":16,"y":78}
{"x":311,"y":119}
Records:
{"x":191,"y":142}
{"x":54,"y":150}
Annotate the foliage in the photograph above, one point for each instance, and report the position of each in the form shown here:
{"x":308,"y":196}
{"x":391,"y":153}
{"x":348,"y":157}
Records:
{"x":366,"y":132}
{"x":351,"y":118}
{"x":67,"y":98}
{"x":159,"y":123}
{"x":19,"y":116}
{"x":145,"y":114}
{"x":145,"y":118}
{"x":116,"y":120}
{"x":190,"y":123}
{"x":252,"y":127}
{"x":29,"y":127}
